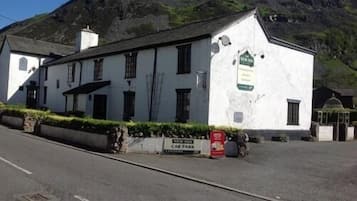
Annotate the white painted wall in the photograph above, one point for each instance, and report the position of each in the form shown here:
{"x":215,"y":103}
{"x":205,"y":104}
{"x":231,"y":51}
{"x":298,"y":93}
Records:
{"x":56,"y":101}
{"x":283,"y":74}
{"x":4,"y":71}
{"x":114,"y":70}
{"x":21,"y":77}
{"x":167,"y":66}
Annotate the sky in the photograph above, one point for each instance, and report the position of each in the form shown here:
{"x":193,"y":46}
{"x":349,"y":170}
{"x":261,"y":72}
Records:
{"x":17,"y":10}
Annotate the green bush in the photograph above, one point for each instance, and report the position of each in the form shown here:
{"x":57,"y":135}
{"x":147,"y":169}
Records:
{"x":106,"y":127}
{"x":83,"y":124}
{"x":22,"y":113}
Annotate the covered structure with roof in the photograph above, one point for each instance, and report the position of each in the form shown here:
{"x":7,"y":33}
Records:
{"x":334,"y":114}
{"x":20,"y":59}
{"x":226,"y":71}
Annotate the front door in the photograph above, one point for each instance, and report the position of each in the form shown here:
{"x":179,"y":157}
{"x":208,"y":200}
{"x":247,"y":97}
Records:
{"x":31,"y":98}
{"x":100,"y":107}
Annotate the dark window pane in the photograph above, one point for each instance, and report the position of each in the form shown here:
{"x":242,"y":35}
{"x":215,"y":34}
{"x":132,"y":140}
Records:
{"x":183,"y":105}
{"x":184,"y":59}
{"x":293,"y":113}
{"x":44,"y":95}
{"x":129,"y":105}
{"x":71,"y":72}
{"x":130,"y":65}
{"x":46,"y":73}
{"x":98,"y":69}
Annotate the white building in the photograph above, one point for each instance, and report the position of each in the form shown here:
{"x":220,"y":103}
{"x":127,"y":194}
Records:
{"x":20,"y":59}
{"x":226,"y":71}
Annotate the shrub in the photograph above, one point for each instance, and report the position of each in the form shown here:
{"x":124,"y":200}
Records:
{"x":22,"y":113}
{"x":83,"y":124}
{"x":106,"y":127}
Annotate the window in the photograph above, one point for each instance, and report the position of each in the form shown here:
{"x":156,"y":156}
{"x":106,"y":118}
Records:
{"x":71,"y":72}
{"x":44,"y":95}
{"x":293,"y":112}
{"x":98,"y":69}
{"x":130,"y":65}
{"x":23,"y":64}
{"x":21,"y":88}
{"x":184,"y":59}
{"x":129,"y":105}
{"x":46,"y":73}
{"x":57,"y":84}
{"x":183,"y":105}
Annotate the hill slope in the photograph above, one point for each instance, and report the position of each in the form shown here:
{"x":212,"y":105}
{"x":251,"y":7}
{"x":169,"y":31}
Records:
{"x":330,"y":26}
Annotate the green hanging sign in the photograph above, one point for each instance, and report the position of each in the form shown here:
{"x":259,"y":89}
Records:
{"x":246,"y":72}
{"x":246,"y":59}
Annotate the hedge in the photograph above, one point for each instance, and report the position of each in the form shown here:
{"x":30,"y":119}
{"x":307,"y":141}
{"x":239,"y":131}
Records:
{"x":106,"y":127}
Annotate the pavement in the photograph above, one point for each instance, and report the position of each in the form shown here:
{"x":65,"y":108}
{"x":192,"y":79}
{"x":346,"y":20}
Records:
{"x":287,"y":171}
{"x":284,"y":171}
{"x":31,"y":165}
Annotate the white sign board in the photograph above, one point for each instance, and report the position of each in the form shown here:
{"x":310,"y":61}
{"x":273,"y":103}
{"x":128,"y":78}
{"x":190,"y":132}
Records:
{"x":182,"y":145}
{"x":246,"y":72}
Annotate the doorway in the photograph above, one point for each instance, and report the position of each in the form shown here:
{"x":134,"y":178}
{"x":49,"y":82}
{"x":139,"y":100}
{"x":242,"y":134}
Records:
{"x":31,"y":97}
{"x":100,"y":107}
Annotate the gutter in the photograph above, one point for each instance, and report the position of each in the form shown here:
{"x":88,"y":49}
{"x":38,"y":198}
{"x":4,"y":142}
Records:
{"x":39,"y":83}
{"x":80,"y":72}
{"x":152,"y":85}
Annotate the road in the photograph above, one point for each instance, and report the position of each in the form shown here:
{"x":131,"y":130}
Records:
{"x":31,"y":165}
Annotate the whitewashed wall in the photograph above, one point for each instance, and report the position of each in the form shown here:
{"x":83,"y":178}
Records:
{"x":282,"y":74}
{"x":19,"y":77}
{"x":114,"y":70}
{"x":167,"y":67}
{"x":56,"y":101}
{"x":4,"y":71}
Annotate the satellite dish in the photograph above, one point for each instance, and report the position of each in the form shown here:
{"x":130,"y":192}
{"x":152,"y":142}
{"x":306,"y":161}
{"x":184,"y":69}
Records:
{"x":225,"y":40}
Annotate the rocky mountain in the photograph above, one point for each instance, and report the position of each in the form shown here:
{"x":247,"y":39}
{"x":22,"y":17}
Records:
{"x":329,"y":26}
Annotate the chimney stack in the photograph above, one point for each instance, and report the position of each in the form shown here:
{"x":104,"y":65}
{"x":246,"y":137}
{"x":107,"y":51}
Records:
{"x":85,"y":39}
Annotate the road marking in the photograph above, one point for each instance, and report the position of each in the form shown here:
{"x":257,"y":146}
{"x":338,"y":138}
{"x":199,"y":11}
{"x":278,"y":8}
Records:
{"x":80,"y":198}
{"x":15,"y":166}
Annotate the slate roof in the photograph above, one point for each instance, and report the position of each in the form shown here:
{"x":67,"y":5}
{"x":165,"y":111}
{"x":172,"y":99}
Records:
{"x":347,"y":92}
{"x":185,"y":33}
{"x":87,"y":88}
{"x":37,"y":47}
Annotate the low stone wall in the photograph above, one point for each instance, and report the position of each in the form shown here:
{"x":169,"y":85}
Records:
{"x":145,"y":145}
{"x":156,"y":145}
{"x":13,"y":122}
{"x":92,"y":140}
{"x":324,"y":133}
